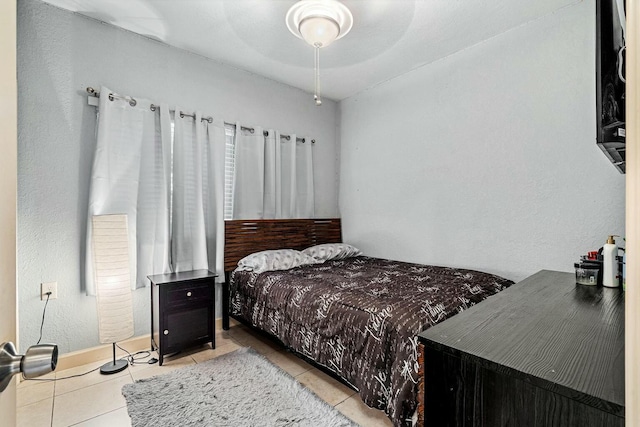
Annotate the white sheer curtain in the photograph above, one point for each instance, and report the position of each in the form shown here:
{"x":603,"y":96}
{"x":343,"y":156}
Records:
{"x":304,"y":204}
{"x":197,"y":238}
{"x":297,"y":199}
{"x":288,"y":174}
{"x":272,"y":204}
{"x":213,"y":191}
{"x":248,"y":184}
{"x":273,"y":176}
{"x":174,"y":204}
{"x":130,"y":176}
{"x":153,"y":200}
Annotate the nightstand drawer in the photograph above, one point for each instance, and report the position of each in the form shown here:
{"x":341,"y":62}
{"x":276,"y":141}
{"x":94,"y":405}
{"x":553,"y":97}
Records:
{"x":188,"y":293}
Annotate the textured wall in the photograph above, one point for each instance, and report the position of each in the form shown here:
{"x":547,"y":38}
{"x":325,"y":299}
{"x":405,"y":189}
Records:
{"x":59,"y":55}
{"x":487,"y":158}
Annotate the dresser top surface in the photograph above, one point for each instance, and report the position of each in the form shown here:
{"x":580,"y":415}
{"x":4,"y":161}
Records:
{"x":555,"y":333}
{"x":161,"y":279}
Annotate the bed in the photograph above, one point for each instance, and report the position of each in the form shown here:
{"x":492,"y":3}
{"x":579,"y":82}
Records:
{"x":356,"y":317}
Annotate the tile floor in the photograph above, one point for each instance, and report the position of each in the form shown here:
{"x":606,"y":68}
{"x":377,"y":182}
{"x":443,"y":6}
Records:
{"x":95,"y":400}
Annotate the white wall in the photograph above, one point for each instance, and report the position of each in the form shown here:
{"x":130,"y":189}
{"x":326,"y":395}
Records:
{"x":485,"y":159}
{"x":59,"y":55}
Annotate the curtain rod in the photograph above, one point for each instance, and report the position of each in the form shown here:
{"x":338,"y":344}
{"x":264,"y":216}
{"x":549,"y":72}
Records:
{"x":92,"y":92}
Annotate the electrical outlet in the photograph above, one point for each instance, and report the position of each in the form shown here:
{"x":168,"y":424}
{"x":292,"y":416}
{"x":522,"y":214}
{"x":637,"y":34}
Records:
{"x":48,"y":287}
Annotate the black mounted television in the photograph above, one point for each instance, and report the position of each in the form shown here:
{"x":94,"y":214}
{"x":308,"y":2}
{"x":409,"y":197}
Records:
{"x":610,"y":80}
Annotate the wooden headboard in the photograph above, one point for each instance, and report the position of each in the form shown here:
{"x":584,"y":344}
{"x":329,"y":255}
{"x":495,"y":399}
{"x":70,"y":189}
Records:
{"x":245,"y":236}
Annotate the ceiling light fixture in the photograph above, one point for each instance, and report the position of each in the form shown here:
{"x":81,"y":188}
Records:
{"x":319,"y":23}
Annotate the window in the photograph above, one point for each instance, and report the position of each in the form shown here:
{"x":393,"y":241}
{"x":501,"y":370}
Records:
{"x":229,"y":169}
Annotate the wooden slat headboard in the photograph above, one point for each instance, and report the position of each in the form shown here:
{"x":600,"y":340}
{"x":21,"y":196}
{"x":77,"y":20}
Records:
{"x":243,"y":236}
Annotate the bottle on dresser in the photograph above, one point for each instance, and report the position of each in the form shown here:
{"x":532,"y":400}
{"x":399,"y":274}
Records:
{"x":610,"y":263}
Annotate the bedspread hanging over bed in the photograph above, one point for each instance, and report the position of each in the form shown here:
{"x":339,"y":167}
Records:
{"x":359,"y":317}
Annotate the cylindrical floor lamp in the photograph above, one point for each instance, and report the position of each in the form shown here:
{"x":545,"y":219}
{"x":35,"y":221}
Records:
{"x":110,"y":240}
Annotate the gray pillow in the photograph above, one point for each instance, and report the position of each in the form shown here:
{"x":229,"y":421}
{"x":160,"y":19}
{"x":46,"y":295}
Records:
{"x":329,"y":251}
{"x":280,"y":259}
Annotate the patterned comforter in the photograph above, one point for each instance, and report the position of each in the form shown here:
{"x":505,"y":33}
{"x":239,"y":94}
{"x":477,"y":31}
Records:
{"x":359,"y":317}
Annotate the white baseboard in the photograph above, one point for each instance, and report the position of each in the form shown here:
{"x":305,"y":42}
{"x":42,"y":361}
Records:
{"x":104,"y":352}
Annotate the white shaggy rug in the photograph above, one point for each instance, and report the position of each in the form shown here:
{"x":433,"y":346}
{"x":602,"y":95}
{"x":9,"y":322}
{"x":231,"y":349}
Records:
{"x":241,"y":388}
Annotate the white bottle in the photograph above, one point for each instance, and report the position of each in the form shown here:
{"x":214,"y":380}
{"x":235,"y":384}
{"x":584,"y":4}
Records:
{"x":610,"y":264}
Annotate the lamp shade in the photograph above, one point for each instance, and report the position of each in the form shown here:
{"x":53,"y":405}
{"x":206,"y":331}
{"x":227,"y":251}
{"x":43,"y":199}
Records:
{"x":319,"y":31}
{"x":319,"y":21}
{"x":110,"y":241}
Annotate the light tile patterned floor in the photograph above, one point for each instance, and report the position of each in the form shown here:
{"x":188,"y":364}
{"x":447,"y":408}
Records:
{"x":96,"y":400}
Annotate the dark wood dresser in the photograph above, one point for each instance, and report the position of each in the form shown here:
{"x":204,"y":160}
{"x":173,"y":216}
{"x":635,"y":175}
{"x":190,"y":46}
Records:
{"x":545,"y":352}
{"x":182,"y":311}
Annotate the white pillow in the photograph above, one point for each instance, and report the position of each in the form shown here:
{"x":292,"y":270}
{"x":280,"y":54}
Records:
{"x":332,"y":251}
{"x":281,"y":259}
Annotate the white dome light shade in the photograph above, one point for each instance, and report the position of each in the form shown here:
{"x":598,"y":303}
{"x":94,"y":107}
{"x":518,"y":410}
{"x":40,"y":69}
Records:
{"x":319,"y":21}
{"x":319,"y":31}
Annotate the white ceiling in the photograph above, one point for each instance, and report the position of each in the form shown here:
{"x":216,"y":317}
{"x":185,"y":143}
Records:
{"x":388,"y":39}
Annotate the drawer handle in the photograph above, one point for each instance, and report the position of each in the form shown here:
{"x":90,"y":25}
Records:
{"x":166,"y":332}
{"x":189,"y":293}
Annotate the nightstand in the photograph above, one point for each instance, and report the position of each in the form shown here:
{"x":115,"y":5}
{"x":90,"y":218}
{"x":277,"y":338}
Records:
{"x":182,"y":311}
